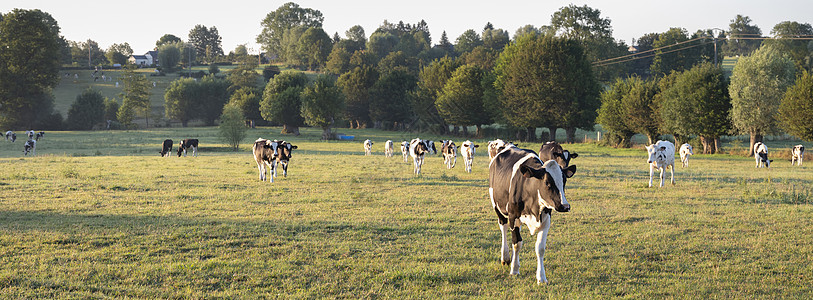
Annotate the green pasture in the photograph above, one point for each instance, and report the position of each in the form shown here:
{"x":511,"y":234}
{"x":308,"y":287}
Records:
{"x":101,"y":215}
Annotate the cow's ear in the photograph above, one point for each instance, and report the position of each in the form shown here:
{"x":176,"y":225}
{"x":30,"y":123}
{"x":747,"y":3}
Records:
{"x":475,"y":146}
{"x":293,"y":147}
{"x":574,"y":155}
{"x":569,"y":171}
{"x":526,"y":171}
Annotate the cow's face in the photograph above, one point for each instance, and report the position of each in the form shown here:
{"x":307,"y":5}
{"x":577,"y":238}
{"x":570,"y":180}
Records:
{"x":180,"y":148}
{"x":420,"y":148}
{"x":656,"y":153}
{"x":549,"y":184}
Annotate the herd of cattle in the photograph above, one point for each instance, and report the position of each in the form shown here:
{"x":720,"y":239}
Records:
{"x":186,"y":144}
{"x":30,"y":145}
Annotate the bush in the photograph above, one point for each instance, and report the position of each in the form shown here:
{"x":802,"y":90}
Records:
{"x":87,"y":110}
{"x":232,"y":127}
{"x":270,"y":71}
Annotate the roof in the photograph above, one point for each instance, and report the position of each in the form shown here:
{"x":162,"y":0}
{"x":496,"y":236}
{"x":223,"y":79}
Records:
{"x":139,"y":56}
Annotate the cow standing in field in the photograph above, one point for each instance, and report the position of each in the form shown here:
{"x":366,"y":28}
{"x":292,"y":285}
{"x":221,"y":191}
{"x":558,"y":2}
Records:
{"x":187,"y":144}
{"x":524,"y":190}
{"x":284,"y":152}
{"x":661,"y":156}
{"x":388,"y":148}
{"x":552,"y":150}
{"x":417,"y":149}
{"x":368,"y":147}
{"x":430,"y":146}
{"x":38,"y":135}
{"x":166,"y":148}
{"x":797,"y":155}
{"x":405,"y":150}
{"x":686,"y":150}
{"x":761,"y":155}
{"x":449,"y":151}
{"x":30,"y":146}
{"x":30,"y":134}
{"x":11,"y":136}
{"x":265,"y":155}
{"x":467,"y":151}
{"x":496,"y":146}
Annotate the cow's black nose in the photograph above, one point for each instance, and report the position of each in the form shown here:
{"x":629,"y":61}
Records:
{"x":563,"y":208}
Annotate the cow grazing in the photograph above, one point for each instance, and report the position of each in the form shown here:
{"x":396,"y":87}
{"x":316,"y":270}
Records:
{"x":11,"y":136}
{"x":265,"y":154}
{"x":797,"y":155}
{"x":187,"y":144}
{"x":388,"y":148}
{"x":417,"y":149}
{"x":686,"y":150}
{"x":467,"y":151}
{"x":449,"y":151}
{"x":430,"y":146}
{"x":284,"y":152}
{"x":552,"y":150}
{"x":30,"y":146}
{"x":40,"y":134}
{"x":166,"y":148}
{"x":405,"y":150}
{"x":761,"y":155}
{"x":661,"y":156}
{"x":524,"y":190}
{"x":368,"y":147}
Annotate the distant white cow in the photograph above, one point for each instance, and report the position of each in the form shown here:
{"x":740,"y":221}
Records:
{"x":368,"y":147}
{"x":661,"y":155}
{"x":30,"y":147}
{"x":761,"y":155}
{"x":797,"y":155}
{"x":388,"y":149}
{"x":686,"y":150}
{"x":467,"y":152}
{"x":405,"y":150}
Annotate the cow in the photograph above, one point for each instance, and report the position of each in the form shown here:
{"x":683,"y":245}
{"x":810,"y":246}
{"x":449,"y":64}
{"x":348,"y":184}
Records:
{"x":30,"y":146}
{"x":30,"y":134}
{"x":166,"y":148}
{"x":368,"y":147}
{"x":417,"y":149}
{"x":686,"y":150}
{"x":186,"y":144}
{"x":265,"y":154}
{"x":552,"y":150}
{"x":496,"y":146}
{"x":797,"y":155}
{"x":661,"y":156}
{"x":761,"y":155}
{"x":524,"y":190}
{"x":388,"y":148}
{"x":284,"y":152}
{"x":405,"y":150}
{"x":467,"y":150}
{"x":40,"y":134}
{"x":449,"y":151}
{"x":430,"y":146}
{"x":11,"y":136}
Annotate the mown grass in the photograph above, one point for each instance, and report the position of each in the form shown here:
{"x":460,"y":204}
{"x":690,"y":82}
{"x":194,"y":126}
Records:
{"x":100,"y":214}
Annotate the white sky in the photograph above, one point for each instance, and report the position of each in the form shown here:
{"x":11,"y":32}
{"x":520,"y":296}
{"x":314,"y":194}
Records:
{"x":141,"y":23}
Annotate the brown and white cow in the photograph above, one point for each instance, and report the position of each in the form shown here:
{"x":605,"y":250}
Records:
{"x":797,"y":155}
{"x":187,"y":144}
{"x":467,"y":150}
{"x":552,"y":150}
{"x":524,"y":190}
{"x":166,"y":148}
{"x":449,"y":151}
{"x":496,"y":146}
{"x":265,"y":155}
{"x":284,"y":152}
{"x":417,"y":149}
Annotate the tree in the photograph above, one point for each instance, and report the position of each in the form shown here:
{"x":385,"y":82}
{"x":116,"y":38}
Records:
{"x":698,"y":103}
{"x":613,"y":115}
{"x":232,"y":129}
{"x":741,"y":37}
{"x":356,"y":35}
{"x":527,"y":29}
{"x":445,"y":45}
{"x":665,"y":60}
{"x":248,"y":100}
{"x":356,"y":85}
{"x":206,"y":41}
{"x":431,"y":81}
{"x":179,"y":100}
{"x":796,"y":111}
{"x":169,"y":54}
{"x":111,"y":107}
{"x":282,"y":101}
{"x":29,"y":66}
{"x":398,"y":61}
{"x":167,"y":39}
{"x":495,"y":39}
{"x":213,"y":94}
{"x":641,"y":108}
{"x":389,"y":100}
{"x":382,"y":43}
{"x":87,"y":110}
{"x":461,"y":100}
{"x":244,"y":76}
{"x":314,"y":47}
{"x":90,"y":54}
{"x":467,"y":41}
{"x":338,"y":62}
{"x":125,"y":115}
{"x":322,"y":103}
{"x":118,"y":53}
{"x":643,"y":62}
{"x":758,"y":82}
{"x":481,"y":56}
{"x":284,"y":18}
{"x":585,"y":24}
{"x":136,"y":92}
{"x":793,"y":38}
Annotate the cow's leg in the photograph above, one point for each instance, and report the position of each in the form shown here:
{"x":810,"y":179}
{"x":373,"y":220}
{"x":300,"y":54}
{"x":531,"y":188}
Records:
{"x":541,"y":242}
{"x":505,"y":252}
{"x":663,"y":174}
{"x":195,"y":151}
{"x":672,"y":169}
{"x":454,"y":163}
{"x":284,"y":168}
{"x":651,"y":172}
{"x":273,"y":171}
{"x":516,"y":244}
{"x":261,"y":167}
{"x":756,"y":157}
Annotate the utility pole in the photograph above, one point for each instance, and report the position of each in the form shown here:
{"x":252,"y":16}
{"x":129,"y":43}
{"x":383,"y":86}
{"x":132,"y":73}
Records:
{"x":714,"y":36}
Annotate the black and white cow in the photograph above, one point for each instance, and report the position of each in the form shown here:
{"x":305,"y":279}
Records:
{"x":30,"y":146}
{"x":265,"y":154}
{"x":552,"y":150}
{"x":368,"y":147}
{"x":30,"y":134}
{"x":187,"y":144}
{"x":166,"y":148}
{"x":284,"y":152}
{"x":405,"y":150}
{"x":11,"y":136}
{"x":467,"y":151}
{"x":661,"y":156}
{"x":524,"y":190}
{"x":496,"y":146}
{"x":761,"y":155}
{"x":417,"y":149}
{"x":449,"y":151}
{"x":797,"y":155}
{"x":430,"y":146}
{"x":40,"y":134}
{"x":388,"y":148}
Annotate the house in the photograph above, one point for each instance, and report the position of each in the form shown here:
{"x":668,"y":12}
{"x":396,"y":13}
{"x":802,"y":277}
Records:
{"x":148,"y":59}
{"x":153,"y":57}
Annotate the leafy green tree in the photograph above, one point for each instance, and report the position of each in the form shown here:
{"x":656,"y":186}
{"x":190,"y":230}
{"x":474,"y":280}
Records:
{"x":90,"y":54}
{"x":467,"y":42}
{"x":666,"y":60}
{"x":167,"y":39}
{"x":356,"y":85}
{"x":169,"y":54}
{"x":126,"y":115}
{"x":111,"y":107}
{"x":213,"y":94}
{"x":207,"y":42}
{"x":641,"y":108}
{"x":240,"y":50}
{"x":445,"y":44}
{"x":136,"y":92}
{"x":26,"y":76}
{"x":398,"y":61}
{"x":585,"y":24}
{"x":792,"y":38}
{"x":757,"y":85}
{"x":290,"y":46}
{"x":481,"y":56}
{"x":495,"y":39}
{"x":232,"y":129}
{"x":355,"y":35}
{"x":118,"y":53}
{"x":284,"y":18}
{"x":248,"y":100}
{"x":796,"y":111}
{"x":612,"y":115}
{"x":643,"y":62}
{"x":363,"y":58}
{"x":179,"y":100}
{"x":244,"y":76}
{"x":389,"y":102}
{"x":87,"y":110}
{"x":698,"y":103}
{"x":382,"y":43}
{"x":322,"y":103}
{"x":431,"y":81}
{"x":282,"y":101}
{"x":527,"y":29}
{"x":314,"y":47}
{"x":741,"y":37}
{"x":461,"y":101}
{"x":338,"y":62}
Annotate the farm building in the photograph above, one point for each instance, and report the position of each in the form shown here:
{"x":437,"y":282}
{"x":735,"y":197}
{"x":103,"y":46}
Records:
{"x":148,"y":59}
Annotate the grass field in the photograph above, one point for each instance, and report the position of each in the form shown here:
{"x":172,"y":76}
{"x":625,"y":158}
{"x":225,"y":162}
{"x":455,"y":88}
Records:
{"x":100,"y":214}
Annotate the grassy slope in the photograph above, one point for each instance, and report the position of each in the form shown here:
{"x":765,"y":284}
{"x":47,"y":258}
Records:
{"x":77,"y":221}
